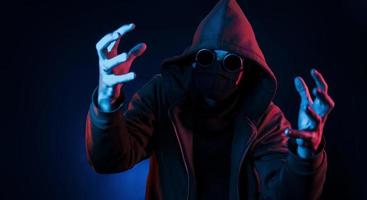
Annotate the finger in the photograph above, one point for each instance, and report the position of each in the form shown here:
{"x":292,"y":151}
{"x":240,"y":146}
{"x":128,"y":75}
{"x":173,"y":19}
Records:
{"x":111,"y":37}
{"x":105,"y":41}
{"x":112,"y":80}
{"x":125,"y":77}
{"x":120,"y":31}
{"x":113,"y":46}
{"x":292,"y":133}
{"x":124,"y":29}
{"x":313,"y":115}
{"x":302,"y":90}
{"x":137,"y":51}
{"x":110,"y":63}
{"x":319,"y":80}
{"x":324,"y":97}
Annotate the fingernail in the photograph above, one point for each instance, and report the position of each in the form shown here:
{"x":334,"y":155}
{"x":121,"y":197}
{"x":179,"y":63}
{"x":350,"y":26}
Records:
{"x":144,"y":44}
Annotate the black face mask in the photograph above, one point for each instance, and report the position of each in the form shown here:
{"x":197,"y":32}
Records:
{"x":216,"y":79}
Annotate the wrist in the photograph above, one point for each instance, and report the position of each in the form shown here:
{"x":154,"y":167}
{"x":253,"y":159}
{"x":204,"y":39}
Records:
{"x":107,"y":103}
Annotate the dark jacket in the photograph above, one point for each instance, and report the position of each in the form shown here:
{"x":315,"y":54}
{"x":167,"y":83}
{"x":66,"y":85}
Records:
{"x":157,"y":124}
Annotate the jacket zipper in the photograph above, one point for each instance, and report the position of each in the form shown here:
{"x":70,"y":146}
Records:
{"x":243,"y":157}
{"x":183,"y":157}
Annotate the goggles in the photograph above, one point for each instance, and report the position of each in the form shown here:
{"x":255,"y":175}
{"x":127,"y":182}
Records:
{"x":231,"y":62}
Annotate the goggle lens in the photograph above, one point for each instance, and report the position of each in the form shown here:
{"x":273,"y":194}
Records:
{"x":231,"y":62}
{"x":205,"y":57}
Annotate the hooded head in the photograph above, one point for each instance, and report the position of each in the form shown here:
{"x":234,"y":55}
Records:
{"x":227,"y":28}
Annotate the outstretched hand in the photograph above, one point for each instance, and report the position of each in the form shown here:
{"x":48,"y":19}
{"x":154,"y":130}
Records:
{"x":312,"y":114}
{"x":113,"y":67}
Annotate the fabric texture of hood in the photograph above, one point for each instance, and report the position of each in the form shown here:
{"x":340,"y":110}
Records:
{"x":227,"y":28}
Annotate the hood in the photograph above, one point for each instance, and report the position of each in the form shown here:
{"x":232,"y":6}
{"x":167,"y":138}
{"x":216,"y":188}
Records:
{"x":227,"y":28}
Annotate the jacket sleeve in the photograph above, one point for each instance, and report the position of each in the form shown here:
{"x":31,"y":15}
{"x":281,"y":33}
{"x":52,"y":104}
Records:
{"x":117,"y":140}
{"x":282,"y":174}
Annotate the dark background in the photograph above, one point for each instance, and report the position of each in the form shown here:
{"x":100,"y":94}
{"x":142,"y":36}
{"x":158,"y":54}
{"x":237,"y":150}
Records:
{"x":50,"y":67}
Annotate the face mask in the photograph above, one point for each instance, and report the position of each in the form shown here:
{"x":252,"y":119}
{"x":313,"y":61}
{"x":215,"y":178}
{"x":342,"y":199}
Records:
{"x":216,"y":79}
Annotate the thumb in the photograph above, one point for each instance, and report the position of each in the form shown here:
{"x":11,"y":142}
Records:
{"x":137,"y":51}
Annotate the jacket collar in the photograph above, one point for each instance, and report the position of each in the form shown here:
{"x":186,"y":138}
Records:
{"x":244,"y":133}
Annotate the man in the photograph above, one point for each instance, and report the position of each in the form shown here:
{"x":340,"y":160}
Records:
{"x":207,"y":121}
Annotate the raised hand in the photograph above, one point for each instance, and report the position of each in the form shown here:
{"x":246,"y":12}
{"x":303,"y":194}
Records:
{"x":312,"y":114}
{"x":113,"y":68}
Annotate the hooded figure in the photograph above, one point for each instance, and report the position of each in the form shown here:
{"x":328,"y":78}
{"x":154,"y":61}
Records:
{"x":233,"y":149}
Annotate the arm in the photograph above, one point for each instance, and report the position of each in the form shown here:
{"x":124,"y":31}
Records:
{"x":116,"y":141}
{"x":283,"y":174}
{"x":295,"y":168}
